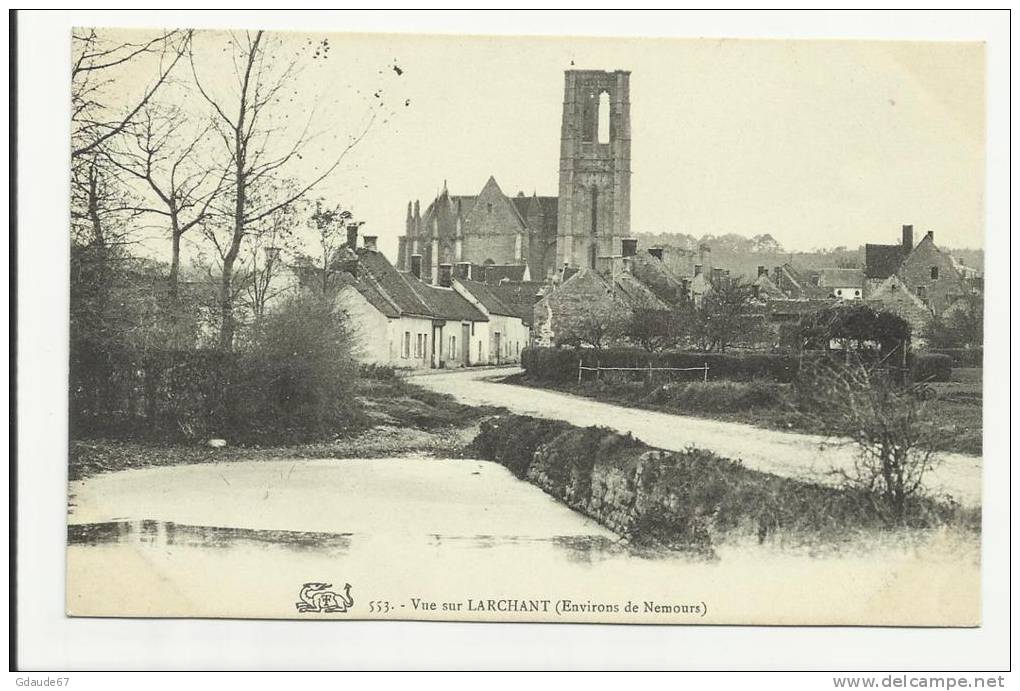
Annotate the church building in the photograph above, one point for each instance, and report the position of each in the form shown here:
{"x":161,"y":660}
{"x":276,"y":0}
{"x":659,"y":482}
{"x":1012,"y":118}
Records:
{"x":587,"y":220}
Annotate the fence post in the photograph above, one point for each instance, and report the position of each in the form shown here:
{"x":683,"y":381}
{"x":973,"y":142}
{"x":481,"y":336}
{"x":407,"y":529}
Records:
{"x":705,"y":380}
{"x":598,"y":370}
{"x":579,"y":370}
{"x":649,"y":372}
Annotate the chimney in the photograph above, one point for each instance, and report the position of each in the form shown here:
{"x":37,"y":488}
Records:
{"x":908,"y":237}
{"x":931,"y":235}
{"x":655,"y":252}
{"x":705,"y":255}
{"x":762,"y":271}
{"x":446,"y":275}
{"x":464,"y":271}
{"x":697,"y":269}
{"x":352,"y":235}
{"x":629,"y":247}
{"x":416,"y":266}
{"x":370,"y":242}
{"x":756,"y":292}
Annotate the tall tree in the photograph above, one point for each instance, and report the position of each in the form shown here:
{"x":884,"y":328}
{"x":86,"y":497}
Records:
{"x":251,"y":123}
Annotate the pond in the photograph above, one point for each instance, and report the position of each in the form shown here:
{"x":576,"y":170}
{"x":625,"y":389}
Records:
{"x":240,"y":538}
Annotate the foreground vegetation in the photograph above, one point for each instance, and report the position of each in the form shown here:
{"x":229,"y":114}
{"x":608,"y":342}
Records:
{"x":956,"y":405}
{"x":692,"y":499}
{"x":397,"y":418}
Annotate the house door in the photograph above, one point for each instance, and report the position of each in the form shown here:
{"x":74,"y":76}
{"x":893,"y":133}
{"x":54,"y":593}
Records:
{"x":437,"y":347}
{"x":465,"y":341}
{"x":497,"y":345}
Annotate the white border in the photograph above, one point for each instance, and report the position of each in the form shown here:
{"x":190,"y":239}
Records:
{"x":48,"y":640}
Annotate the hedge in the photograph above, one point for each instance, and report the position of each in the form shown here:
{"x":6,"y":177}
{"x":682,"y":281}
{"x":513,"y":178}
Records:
{"x":963,"y":357}
{"x":932,"y":367}
{"x":560,"y":364}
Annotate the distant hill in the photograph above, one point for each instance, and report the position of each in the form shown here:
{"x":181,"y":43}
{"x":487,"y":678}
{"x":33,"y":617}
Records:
{"x":743,"y":255}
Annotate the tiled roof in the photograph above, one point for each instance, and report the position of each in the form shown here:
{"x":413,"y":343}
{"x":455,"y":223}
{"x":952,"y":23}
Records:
{"x":494,"y":273}
{"x":490,"y":298}
{"x":378,"y":280}
{"x":836,"y":278}
{"x":882,"y":261}
{"x":637,"y":294}
{"x":395,"y":293}
{"x":444,"y":303}
{"x":796,"y":307}
{"x":657,"y":277}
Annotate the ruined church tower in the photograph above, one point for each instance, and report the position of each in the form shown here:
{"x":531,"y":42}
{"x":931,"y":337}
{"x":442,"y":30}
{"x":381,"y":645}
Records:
{"x":594,"y":193}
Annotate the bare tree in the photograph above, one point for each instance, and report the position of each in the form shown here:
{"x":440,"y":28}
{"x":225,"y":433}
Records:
{"x":891,"y":426}
{"x":97,"y":63}
{"x":329,"y":226}
{"x":258,"y":147}
{"x":264,"y":262}
{"x":595,"y":324}
{"x":169,"y":163}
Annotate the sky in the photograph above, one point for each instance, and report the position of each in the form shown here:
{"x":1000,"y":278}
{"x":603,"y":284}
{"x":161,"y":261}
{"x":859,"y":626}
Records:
{"x":818,"y":143}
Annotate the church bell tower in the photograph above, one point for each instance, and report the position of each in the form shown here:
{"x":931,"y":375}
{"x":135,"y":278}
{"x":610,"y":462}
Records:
{"x":594,"y":191}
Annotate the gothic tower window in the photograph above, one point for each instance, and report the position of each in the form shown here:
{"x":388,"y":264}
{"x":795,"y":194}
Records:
{"x":588,"y":119}
{"x":594,"y":211}
{"x":604,"y":112}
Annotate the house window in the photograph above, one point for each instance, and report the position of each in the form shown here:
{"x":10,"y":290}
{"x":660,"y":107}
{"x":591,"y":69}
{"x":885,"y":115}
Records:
{"x":922,"y":292}
{"x":453,"y":348}
{"x":479,"y":351}
{"x":406,"y":350}
{"x":472,"y":328}
{"x":934,"y":273}
{"x":857,"y":293}
{"x":489,"y":208}
{"x":419,"y":349}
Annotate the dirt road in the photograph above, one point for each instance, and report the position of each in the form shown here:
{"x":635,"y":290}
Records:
{"x":793,"y":455}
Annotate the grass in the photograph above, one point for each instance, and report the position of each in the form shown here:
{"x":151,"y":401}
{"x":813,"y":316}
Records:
{"x":403,"y":419}
{"x":957,"y":405}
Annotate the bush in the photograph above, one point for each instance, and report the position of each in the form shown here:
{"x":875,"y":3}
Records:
{"x":511,"y":440}
{"x":932,"y":367}
{"x":295,"y":383}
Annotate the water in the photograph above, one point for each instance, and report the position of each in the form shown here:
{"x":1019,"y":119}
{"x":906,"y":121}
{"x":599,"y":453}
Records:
{"x":240,"y":539}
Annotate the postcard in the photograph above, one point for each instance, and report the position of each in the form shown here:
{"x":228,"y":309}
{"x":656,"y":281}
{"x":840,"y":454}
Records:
{"x":535,"y":329}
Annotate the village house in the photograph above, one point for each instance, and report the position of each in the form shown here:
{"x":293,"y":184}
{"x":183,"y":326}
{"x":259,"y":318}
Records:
{"x":927,"y":272}
{"x":401,"y":321}
{"x":508,"y":330}
{"x":611,"y":293}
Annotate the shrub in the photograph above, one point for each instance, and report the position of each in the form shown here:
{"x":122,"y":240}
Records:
{"x":932,"y":367}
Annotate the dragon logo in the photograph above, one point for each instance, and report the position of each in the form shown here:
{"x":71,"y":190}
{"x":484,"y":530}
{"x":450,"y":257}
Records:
{"x":316,"y":597}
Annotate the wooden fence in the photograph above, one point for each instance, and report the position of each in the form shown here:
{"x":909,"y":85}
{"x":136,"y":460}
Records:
{"x":581,"y":368}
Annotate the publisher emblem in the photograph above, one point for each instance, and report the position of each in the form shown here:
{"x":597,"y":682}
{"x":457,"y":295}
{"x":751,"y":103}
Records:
{"x":317,"y":597}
